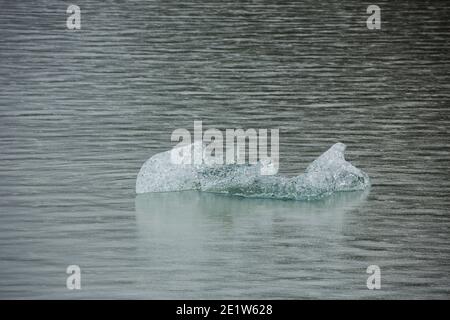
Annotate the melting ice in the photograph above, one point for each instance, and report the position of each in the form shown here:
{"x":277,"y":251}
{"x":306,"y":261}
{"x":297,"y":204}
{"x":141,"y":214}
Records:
{"x":326,"y":175}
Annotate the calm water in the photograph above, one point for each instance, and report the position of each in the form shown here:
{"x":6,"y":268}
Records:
{"x":80,"y":111}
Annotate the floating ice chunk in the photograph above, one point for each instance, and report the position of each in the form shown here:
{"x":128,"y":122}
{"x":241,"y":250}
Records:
{"x":327,"y":174}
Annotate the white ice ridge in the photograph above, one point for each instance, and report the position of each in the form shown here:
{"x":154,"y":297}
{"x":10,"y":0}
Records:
{"x":327,"y":174}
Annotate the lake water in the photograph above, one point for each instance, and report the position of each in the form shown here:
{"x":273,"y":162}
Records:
{"x":80,"y":111}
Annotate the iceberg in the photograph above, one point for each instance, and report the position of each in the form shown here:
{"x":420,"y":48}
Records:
{"x":328,"y":174}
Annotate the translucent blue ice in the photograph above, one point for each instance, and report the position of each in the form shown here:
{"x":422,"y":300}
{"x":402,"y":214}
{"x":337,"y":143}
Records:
{"x":326,"y":175}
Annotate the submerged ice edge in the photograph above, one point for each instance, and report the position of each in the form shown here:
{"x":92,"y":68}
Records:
{"x":326,"y":175}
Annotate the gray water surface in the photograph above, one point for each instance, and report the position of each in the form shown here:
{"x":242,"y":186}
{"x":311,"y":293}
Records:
{"x":80,"y":111}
